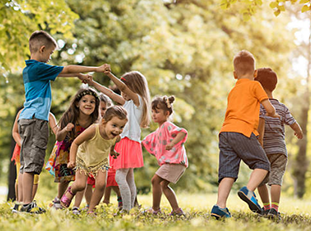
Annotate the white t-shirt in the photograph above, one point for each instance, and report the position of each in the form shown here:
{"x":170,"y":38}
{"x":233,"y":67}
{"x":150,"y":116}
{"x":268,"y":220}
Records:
{"x":132,"y":128}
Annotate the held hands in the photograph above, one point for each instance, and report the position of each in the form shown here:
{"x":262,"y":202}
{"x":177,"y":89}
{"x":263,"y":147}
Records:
{"x":85,"y":78}
{"x":104,"y":68}
{"x":114,"y":154}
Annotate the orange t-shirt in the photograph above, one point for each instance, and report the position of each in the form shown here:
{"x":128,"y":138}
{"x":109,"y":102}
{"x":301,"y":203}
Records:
{"x":242,"y":113}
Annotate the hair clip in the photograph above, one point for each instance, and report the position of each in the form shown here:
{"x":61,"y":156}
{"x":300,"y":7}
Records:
{"x":87,"y":92}
{"x":123,"y":79}
{"x":168,"y":104}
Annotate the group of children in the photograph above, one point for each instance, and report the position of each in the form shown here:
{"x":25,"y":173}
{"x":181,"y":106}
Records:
{"x":99,"y":145}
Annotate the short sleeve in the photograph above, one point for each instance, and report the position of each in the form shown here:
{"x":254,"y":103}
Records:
{"x":149,"y":142}
{"x":288,"y":118}
{"x":262,"y":113}
{"x":174,"y":130}
{"x":260,"y":93}
{"x":48,"y":72}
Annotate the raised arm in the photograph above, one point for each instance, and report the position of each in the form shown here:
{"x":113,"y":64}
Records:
{"x":115,"y":97}
{"x":53,"y":123}
{"x":82,"y":69}
{"x":269,"y":108}
{"x":297,"y":130}
{"x":123,"y":88}
{"x":84,"y":136}
{"x":15,"y":132}
{"x":62,"y":133}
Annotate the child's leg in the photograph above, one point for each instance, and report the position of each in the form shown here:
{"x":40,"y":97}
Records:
{"x":170,"y":195}
{"x":20,"y":188}
{"x":116,"y":190}
{"x":35,"y":185}
{"x":257,"y":176}
{"x":224,"y":189}
{"x":88,"y":193}
{"x":78,"y":198}
{"x":156,"y":192}
{"x":100,"y":184}
{"x":62,"y":186}
{"x":264,"y":195}
{"x":131,"y":182}
{"x":27,"y":187}
{"x":107,"y":195}
{"x":125,"y":191}
{"x":78,"y":185}
{"x":275,"y":196}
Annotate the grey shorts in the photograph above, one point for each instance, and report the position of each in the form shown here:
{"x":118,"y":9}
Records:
{"x":278,"y":165}
{"x":34,"y":134}
{"x":235,"y":147}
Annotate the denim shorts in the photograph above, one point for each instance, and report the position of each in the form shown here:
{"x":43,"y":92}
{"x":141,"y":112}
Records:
{"x":278,"y":165}
{"x":34,"y":134}
{"x":235,"y":147}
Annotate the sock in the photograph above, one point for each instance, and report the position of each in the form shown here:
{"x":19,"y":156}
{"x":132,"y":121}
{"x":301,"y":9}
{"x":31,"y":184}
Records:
{"x":275,"y":205}
{"x":266,"y":206}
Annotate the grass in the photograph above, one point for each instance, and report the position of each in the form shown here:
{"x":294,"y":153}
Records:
{"x":295,"y":216}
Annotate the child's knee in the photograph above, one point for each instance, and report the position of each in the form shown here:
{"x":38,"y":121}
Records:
{"x":79,"y":186}
{"x":101,"y":186}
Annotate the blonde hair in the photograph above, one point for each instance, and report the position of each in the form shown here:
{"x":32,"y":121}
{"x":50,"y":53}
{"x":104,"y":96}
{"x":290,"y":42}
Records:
{"x":39,"y":39}
{"x":115,"y":111}
{"x":244,"y":63}
{"x":137,"y":83}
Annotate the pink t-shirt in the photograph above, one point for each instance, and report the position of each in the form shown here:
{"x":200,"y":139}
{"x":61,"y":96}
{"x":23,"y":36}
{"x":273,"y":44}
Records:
{"x":156,"y":141}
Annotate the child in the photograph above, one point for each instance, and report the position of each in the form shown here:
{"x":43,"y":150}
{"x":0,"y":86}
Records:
{"x":16,"y":158}
{"x":34,"y":117}
{"x":105,"y":103}
{"x":135,"y":99}
{"x":89,"y":154}
{"x":237,"y":138}
{"x":167,"y":145}
{"x":82,"y":112}
{"x":273,"y":134}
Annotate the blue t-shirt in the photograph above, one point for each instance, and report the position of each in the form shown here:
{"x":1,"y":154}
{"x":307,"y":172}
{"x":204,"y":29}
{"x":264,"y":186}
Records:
{"x":37,"y":77}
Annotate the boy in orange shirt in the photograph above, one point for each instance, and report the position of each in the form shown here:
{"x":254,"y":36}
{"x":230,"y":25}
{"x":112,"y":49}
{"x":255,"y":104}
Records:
{"x":238,"y":136}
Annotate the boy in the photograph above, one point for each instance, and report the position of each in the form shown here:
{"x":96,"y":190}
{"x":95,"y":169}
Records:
{"x":273,"y":134}
{"x":33,"y":120}
{"x":237,"y":138}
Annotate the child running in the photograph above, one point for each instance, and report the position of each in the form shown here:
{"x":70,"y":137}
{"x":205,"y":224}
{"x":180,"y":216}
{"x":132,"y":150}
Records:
{"x":16,"y":158}
{"x":238,"y":136}
{"x":273,"y":133}
{"x":135,"y":99}
{"x":89,"y":154}
{"x":167,"y":145}
{"x":82,"y":112}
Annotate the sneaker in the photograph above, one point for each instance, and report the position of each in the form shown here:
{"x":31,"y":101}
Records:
{"x":152,"y":211}
{"x":264,"y":212}
{"x":56,"y":203}
{"x":32,"y":208}
{"x":17,"y":207}
{"x":273,"y":214}
{"x":177,"y":212}
{"x":250,"y":198}
{"x":75,"y":211}
{"x":219,"y":213}
{"x":120,"y":204}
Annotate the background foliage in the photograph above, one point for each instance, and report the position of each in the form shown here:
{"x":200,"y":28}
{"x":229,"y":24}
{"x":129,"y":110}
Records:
{"x":184,"y":48}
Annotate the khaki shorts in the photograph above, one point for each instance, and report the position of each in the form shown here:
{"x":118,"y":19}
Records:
{"x":171,"y":172}
{"x":278,"y":165}
{"x":36,"y":178}
{"x":34,"y":134}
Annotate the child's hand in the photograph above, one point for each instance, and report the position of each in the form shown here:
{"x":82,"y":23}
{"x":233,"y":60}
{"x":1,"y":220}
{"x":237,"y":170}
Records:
{"x":299,"y":135}
{"x":275,"y":115}
{"x":85,"y":78}
{"x":71,"y":164}
{"x":104,"y":68}
{"x":169,"y":146}
{"x":69,"y":127}
{"x":114,"y":154}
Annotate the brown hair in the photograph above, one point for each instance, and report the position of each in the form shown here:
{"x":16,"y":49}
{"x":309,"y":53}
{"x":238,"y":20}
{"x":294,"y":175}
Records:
{"x":137,"y":83}
{"x":115,"y":111}
{"x":268,"y":78}
{"x":72,"y":113}
{"x":39,"y":39}
{"x":105,"y":99}
{"x":244,"y":63}
{"x":165,"y":103}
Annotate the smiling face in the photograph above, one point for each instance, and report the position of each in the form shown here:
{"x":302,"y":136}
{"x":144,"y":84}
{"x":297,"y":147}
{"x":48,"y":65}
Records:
{"x":159,"y":115}
{"x":87,"y":104}
{"x":113,"y":127}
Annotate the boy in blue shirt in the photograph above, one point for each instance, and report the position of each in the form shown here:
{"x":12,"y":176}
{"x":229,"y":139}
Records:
{"x":33,"y":120}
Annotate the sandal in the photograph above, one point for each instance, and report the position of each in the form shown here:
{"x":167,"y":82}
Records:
{"x":65,"y":201}
{"x":177,"y":212}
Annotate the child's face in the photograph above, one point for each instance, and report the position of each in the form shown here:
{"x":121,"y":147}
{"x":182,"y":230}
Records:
{"x":102,"y":108}
{"x":45,"y":53}
{"x":159,"y":116}
{"x":87,"y":104}
{"x":114,"y":127}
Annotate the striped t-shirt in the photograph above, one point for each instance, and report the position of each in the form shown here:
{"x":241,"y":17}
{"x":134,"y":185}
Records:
{"x":274,"y":135}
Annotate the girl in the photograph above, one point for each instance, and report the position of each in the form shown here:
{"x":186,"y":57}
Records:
{"x":167,"y":145}
{"x":82,"y":112}
{"x":105,"y":102}
{"x":89,"y":154}
{"x":16,"y":158}
{"x":135,"y":99}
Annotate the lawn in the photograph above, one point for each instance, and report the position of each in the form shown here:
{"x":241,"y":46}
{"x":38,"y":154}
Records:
{"x":295,"y":216}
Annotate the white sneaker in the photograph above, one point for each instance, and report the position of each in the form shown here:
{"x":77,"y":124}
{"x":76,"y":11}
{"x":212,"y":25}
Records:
{"x":75,"y":211}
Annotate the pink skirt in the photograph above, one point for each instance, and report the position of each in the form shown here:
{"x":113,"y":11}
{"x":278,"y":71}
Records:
{"x":131,"y":155}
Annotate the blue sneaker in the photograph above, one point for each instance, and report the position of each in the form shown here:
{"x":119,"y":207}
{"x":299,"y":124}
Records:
{"x":219,"y":213}
{"x":250,"y":198}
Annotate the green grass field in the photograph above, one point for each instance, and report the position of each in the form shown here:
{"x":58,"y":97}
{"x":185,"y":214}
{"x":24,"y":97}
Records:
{"x":295,"y":216}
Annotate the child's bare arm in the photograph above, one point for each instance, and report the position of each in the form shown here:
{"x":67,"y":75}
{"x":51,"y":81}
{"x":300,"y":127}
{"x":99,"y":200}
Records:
{"x":297,"y":130}
{"x":15,"y":132}
{"x":82,"y":69}
{"x":269,"y":108}
{"x":53,"y":123}
{"x":62,"y":133}
{"x":115,"y":97}
{"x":261,"y":130}
{"x":176,"y":140}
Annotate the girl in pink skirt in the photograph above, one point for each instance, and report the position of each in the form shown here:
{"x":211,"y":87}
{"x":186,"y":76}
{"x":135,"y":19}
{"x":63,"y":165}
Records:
{"x":135,"y":99}
{"x":167,"y":145}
